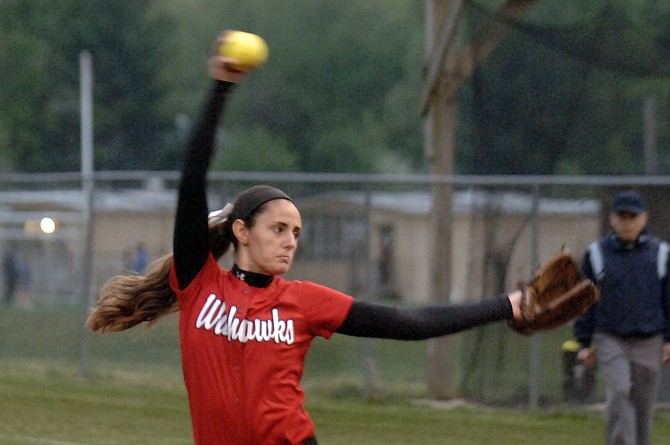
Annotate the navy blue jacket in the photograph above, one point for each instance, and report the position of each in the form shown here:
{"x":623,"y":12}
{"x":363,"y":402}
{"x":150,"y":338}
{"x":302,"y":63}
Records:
{"x":634,"y":299}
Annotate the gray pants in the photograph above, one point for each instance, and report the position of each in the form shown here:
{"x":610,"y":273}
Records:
{"x":632,"y":370}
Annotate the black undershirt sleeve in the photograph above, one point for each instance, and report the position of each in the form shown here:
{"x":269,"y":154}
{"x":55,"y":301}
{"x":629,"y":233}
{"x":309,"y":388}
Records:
{"x":375,"y":320}
{"x":191,"y":233}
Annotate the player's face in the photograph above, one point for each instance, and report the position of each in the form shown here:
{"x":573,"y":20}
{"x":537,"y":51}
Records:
{"x":268,"y":247}
{"x":627,"y":225}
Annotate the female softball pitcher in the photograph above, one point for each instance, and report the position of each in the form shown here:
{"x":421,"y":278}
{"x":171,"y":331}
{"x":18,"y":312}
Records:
{"x":245,"y":332}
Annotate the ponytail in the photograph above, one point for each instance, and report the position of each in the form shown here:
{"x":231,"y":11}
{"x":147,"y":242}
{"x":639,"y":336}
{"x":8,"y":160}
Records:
{"x":128,"y":300}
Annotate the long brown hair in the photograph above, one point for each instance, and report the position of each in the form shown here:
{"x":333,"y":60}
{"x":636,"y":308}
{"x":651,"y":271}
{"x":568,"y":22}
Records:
{"x":128,"y":300}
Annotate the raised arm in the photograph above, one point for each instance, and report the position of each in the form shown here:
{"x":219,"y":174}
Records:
{"x":191,"y":234}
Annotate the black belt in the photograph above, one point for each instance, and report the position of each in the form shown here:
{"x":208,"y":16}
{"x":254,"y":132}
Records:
{"x":310,"y":441}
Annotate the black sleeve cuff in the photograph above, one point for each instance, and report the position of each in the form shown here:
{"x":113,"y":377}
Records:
{"x":221,"y":86}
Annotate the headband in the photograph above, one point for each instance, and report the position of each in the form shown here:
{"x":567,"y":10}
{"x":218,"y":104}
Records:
{"x":247,"y":202}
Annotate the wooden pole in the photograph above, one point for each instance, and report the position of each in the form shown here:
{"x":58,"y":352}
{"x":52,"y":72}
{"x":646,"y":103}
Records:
{"x":439,"y":142}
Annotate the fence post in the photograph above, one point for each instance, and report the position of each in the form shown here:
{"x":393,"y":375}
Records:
{"x":86,"y":71}
{"x":535,"y":340}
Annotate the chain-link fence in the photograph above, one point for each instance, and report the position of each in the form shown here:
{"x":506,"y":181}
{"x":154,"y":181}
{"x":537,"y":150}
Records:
{"x":369,"y":236}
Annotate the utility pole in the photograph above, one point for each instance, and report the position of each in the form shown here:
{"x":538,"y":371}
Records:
{"x":446,"y":69}
{"x":441,"y":20}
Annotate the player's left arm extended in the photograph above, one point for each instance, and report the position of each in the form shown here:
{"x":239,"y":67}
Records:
{"x":367,"y":319}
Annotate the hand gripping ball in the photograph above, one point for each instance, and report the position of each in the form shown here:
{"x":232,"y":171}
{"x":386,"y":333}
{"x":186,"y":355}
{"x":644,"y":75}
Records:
{"x":248,"y":50}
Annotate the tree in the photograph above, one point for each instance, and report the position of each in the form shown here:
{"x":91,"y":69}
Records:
{"x":334,"y":69}
{"x":255,"y":150}
{"x":41,"y":59}
{"x":341,"y":89}
{"x":564,"y":93}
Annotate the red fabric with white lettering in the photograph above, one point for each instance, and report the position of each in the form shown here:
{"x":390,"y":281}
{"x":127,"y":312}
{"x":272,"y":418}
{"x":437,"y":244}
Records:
{"x":243,"y":351}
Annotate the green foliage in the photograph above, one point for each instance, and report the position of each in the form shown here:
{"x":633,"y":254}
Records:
{"x":255,"y":150}
{"x":330,"y":64}
{"x":563,"y":93}
{"x":567,"y":13}
{"x":331,"y":68}
{"x":43,"y":55}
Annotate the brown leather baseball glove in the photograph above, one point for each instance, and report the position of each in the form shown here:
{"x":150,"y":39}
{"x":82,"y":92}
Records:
{"x":557,"y":294}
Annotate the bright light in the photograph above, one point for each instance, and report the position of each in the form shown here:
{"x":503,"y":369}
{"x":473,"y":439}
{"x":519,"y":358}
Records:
{"x":47,"y":225}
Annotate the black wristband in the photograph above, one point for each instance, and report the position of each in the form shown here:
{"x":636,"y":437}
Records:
{"x":221,"y":86}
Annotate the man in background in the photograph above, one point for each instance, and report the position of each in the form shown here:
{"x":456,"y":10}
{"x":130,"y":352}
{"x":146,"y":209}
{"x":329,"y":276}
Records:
{"x":627,"y":331}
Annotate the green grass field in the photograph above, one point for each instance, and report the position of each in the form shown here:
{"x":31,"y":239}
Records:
{"x":134,"y":393}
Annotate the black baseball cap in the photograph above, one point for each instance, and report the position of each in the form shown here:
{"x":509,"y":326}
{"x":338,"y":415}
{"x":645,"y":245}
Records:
{"x":628,"y":201}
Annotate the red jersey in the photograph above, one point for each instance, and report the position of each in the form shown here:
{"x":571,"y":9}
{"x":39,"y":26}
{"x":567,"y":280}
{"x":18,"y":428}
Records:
{"x":243,"y":352}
